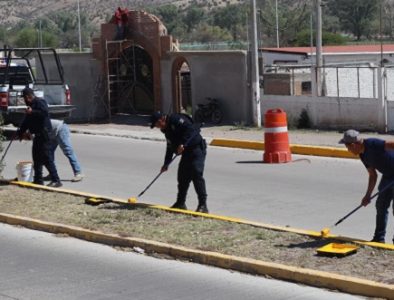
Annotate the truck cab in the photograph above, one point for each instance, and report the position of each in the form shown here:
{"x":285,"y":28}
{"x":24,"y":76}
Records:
{"x":39,"y":69}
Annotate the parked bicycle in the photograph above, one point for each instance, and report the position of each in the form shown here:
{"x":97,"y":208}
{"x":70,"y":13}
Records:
{"x":209,"y":112}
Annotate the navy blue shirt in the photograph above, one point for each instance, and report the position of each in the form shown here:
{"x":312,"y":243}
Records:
{"x":38,"y":120}
{"x":180,"y":131}
{"x":375,"y":156}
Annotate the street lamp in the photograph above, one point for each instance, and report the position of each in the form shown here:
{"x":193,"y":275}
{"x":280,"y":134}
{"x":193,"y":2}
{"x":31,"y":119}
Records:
{"x":79,"y":28}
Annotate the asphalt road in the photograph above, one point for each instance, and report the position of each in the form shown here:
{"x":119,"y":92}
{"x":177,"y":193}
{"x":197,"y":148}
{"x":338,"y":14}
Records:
{"x":40,"y":266}
{"x":309,"y":193}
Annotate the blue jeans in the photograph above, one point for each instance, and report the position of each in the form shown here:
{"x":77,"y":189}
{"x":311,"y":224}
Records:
{"x":64,"y":141}
{"x":42,"y":156}
{"x":382,"y":206}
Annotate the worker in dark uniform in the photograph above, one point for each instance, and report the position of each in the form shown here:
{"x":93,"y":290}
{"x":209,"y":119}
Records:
{"x":185,"y":140}
{"x":38,"y":124}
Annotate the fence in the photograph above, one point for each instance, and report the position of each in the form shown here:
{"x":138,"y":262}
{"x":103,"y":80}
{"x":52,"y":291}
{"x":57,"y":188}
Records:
{"x":337,"y":81}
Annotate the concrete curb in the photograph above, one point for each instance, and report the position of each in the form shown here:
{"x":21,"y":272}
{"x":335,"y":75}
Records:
{"x":294,"y":148}
{"x":279,"y":271}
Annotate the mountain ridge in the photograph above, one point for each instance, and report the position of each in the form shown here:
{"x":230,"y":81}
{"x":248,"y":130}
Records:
{"x":97,"y":11}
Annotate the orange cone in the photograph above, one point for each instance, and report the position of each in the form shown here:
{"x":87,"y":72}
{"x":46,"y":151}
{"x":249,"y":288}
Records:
{"x":276,"y":138}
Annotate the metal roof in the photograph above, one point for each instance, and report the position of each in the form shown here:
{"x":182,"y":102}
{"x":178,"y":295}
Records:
{"x":352,"y":49}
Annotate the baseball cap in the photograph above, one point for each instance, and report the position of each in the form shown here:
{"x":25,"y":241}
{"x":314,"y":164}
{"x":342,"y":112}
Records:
{"x":154,"y":118}
{"x":27,"y":92}
{"x":350,"y":136}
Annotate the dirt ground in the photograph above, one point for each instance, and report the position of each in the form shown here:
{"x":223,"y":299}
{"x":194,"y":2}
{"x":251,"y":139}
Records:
{"x":196,"y":232}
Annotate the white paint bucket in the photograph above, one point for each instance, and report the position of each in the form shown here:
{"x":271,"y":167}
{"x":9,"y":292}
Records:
{"x":24,"y":170}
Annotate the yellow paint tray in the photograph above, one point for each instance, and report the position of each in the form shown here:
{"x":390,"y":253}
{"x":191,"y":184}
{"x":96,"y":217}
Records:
{"x":335,"y":249}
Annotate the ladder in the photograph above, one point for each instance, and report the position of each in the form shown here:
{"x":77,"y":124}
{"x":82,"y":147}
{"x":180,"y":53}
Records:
{"x":115,"y":71}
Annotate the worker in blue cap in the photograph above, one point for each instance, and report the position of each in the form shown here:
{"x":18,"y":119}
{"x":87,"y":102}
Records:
{"x":376,"y":155}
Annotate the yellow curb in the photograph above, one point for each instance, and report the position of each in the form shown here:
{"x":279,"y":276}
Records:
{"x":307,"y":276}
{"x":294,"y":148}
{"x":243,"y":144}
{"x":321,"y":151}
{"x":67,"y":191}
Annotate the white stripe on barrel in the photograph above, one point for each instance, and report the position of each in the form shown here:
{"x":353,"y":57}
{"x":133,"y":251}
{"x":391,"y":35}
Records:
{"x":275,"y":129}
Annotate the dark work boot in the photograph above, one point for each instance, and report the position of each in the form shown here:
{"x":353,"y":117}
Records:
{"x":55,"y":184}
{"x":202,"y":208}
{"x":376,"y":240}
{"x":179,"y":205}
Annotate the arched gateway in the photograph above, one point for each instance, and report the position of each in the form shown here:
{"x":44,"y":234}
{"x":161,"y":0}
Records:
{"x":131,"y":66}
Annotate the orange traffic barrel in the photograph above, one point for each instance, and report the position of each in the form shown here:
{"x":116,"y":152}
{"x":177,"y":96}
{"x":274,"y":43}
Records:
{"x":276,"y":137}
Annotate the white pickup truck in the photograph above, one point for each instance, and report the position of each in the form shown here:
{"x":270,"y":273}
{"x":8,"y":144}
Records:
{"x":39,"y":69}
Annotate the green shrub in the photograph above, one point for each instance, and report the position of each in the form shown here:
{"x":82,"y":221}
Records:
{"x":304,"y":121}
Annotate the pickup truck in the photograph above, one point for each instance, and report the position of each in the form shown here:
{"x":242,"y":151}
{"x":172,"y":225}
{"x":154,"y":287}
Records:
{"x":39,"y":69}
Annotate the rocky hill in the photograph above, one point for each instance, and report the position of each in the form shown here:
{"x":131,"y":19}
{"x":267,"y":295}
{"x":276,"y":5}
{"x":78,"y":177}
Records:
{"x":13,"y":11}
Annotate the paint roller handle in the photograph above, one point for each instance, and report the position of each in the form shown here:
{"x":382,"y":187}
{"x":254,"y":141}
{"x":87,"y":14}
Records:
{"x":352,"y":212}
{"x":149,"y":185}
{"x":361,"y":205}
{"x":164,"y":168}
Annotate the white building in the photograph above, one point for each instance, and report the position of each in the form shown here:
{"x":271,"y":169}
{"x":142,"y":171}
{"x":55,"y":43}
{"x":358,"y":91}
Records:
{"x":356,"y":79}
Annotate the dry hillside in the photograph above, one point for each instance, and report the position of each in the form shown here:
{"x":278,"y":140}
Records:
{"x":13,"y":11}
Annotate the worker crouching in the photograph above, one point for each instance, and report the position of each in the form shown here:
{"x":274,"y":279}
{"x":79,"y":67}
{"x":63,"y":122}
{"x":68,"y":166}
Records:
{"x":184,"y":139}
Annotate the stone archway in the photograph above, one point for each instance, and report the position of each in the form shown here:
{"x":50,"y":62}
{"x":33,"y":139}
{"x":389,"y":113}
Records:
{"x":139,"y":55}
{"x":181,"y":85}
{"x":135,"y":85}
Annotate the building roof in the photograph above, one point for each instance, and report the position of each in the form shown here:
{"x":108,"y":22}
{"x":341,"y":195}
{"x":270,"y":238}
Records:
{"x":372,"y":49}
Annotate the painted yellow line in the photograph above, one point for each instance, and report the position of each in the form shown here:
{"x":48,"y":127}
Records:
{"x":306,"y":276}
{"x":294,"y":148}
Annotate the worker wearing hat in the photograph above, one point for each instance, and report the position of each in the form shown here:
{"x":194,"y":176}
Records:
{"x":37,"y":122}
{"x":184,"y":139}
{"x":376,"y":155}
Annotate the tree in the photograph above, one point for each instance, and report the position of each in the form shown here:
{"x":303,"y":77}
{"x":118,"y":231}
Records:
{"x":303,"y":39}
{"x":388,"y":18}
{"x":168,"y":14}
{"x":27,"y":37}
{"x":49,"y":40}
{"x":355,"y":16}
{"x":233,"y":18}
{"x":293,"y":17}
{"x":194,"y":15}
{"x":206,"y":34}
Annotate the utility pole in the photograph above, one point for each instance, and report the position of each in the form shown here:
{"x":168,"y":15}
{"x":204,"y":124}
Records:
{"x":319,"y":58}
{"x":277,"y":23}
{"x":79,"y":28}
{"x":255,"y":78}
{"x":40,"y":37}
